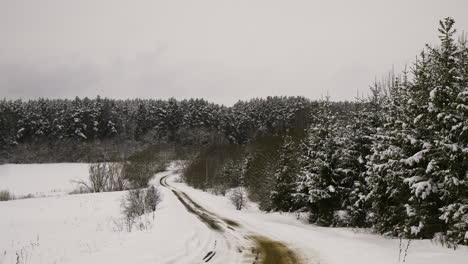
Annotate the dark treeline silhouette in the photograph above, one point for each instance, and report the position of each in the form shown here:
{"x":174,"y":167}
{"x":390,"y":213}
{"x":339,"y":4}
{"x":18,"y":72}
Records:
{"x":46,"y":130}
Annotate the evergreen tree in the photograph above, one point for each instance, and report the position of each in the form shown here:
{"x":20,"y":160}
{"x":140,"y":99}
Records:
{"x":361,"y":126}
{"x":284,"y":187}
{"x":448,"y":108}
{"x":318,"y":179}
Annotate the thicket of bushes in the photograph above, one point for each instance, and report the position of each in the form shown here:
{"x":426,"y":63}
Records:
{"x":6,"y":195}
{"x":133,"y":173}
{"x":140,"y":167}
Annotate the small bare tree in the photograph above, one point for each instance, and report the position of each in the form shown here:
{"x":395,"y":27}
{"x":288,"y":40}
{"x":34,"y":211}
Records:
{"x":152,"y":199}
{"x":238,"y":198}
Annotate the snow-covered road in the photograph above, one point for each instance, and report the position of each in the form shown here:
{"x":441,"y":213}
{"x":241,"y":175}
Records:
{"x":234,"y":243}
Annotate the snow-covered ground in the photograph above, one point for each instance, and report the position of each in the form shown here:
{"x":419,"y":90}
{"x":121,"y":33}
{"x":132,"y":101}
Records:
{"x":86,"y":228}
{"x":41,"y":179}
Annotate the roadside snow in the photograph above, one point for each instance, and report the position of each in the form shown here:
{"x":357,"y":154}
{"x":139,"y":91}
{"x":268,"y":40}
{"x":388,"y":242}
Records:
{"x":41,"y":179}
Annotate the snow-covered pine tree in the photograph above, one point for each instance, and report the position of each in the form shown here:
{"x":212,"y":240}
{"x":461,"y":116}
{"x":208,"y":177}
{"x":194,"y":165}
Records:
{"x":448,"y":108}
{"x":361,"y":126}
{"x":230,"y":175}
{"x":284,"y":187}
{"x":317,"y":186}
{"x":388,"y":193}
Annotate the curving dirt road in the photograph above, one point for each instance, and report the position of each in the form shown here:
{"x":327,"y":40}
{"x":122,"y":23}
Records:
{"x":253,"y":247}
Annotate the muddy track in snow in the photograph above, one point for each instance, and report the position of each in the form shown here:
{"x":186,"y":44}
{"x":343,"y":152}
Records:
{"x":254,"y":248}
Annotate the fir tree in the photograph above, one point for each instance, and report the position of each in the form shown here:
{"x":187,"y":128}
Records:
{"x":284,"y":187}
{"x":318,"y":179}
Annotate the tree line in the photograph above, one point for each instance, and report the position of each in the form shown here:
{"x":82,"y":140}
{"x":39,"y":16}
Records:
{"x":46,"y":130}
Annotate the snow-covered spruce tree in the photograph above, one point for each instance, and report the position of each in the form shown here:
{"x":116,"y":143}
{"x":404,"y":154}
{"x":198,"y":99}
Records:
{"x":419,"y":167}
{"x":229,"y":176}
{"x":448,"y":109}
{"x":361,"y":126}
{"x":388,"y":193}
{"x":287,"y":169}
{"x":318,"y":180}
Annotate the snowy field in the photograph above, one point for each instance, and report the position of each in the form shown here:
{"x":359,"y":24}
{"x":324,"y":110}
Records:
{"x":86,"y":228}
{"x":41,"y":179}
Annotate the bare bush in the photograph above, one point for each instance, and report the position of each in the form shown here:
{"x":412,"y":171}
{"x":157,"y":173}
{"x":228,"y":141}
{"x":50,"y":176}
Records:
{"x":238,"y":198}
{"x":104,"y":177}
{"x":98,"y":177}
{"x":116,"y":181}
{"x":136,"y":203}
{"x":5,"y":195}
{"x":152,"y":199}
{"x":80,"y":190}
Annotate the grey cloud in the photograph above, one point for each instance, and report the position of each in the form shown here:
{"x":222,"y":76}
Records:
{"x":221,"y":50}
{"x":32,"y":81}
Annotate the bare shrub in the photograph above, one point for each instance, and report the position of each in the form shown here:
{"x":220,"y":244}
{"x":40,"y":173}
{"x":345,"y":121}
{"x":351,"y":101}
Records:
{"x":5,"y":195}
{"x":136,"y":203}
{"x":97,"y":178}
{"x":115,"y":181}
{"x":152,"y":199}
{"x":104,"y":177}
{"x":238,"y":198}
{"x":80,"y":190}
{"x":132,"y":206}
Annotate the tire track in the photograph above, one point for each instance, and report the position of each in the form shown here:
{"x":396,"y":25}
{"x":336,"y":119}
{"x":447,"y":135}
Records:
{"x":254,"y":248}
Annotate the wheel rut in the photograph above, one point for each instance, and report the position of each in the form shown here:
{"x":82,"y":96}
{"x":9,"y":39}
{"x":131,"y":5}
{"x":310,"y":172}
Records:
{"x":253,"y":247}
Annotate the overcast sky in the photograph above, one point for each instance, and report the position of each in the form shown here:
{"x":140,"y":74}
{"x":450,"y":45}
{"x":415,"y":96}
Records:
{"x":216,"y":49}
